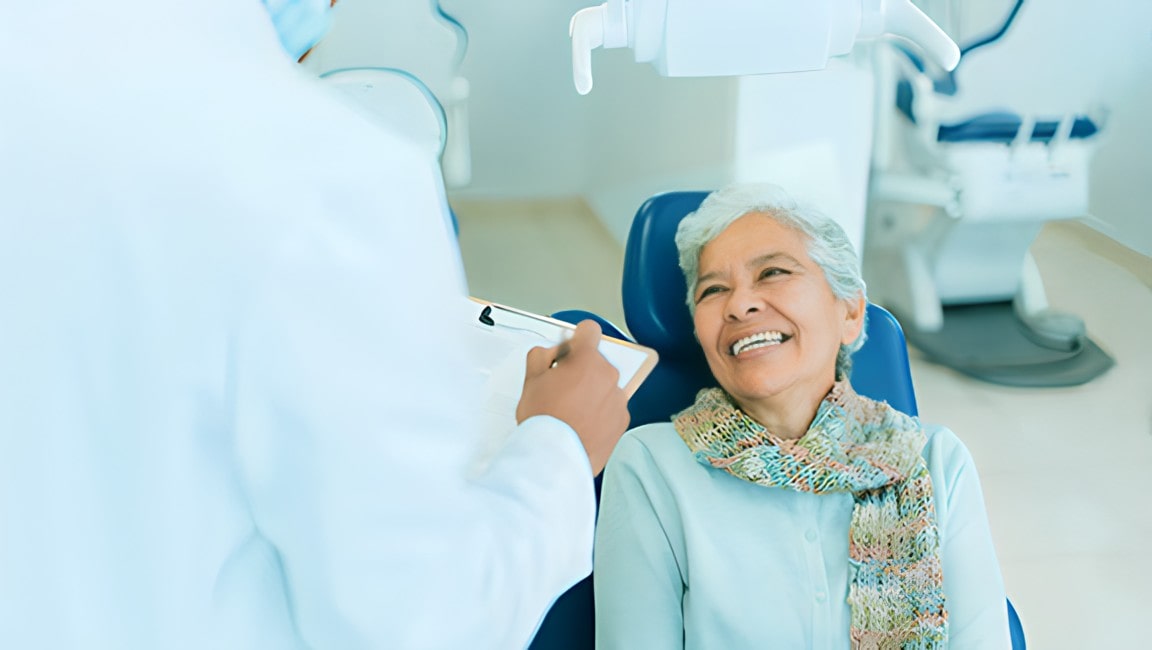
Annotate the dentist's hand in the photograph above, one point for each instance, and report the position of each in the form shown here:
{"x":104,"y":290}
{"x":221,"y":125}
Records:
{"x":574,"y":383}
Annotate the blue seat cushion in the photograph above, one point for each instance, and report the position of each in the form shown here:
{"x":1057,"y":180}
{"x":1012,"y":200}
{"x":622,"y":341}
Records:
{"x":1002,"y":127}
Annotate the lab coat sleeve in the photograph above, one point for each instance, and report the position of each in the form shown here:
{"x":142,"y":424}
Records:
{"x":638,"y":584}
{"x":356,"y":442}
{"x":973,"y":586}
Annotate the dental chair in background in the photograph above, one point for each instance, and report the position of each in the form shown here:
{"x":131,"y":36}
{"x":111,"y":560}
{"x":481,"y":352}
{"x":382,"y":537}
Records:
{"x":958,"y":195}
{"x":657,"y":316}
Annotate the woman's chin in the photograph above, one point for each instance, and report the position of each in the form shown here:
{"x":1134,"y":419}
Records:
{"x":764,"y":383}
{"x":756,"y":387}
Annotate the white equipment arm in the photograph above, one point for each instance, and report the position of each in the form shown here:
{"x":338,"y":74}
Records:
{"x":706,"y":38}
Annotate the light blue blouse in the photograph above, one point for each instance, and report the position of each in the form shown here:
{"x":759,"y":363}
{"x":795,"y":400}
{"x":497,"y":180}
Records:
{"x":691,"y":557}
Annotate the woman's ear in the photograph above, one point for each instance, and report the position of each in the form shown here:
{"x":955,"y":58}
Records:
{"x":853,"y":319}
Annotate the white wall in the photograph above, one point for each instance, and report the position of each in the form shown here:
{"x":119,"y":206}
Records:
{"x":529,"y":128}
{"x":1121,"y":196}
{"x":648,"y":134}
{"x":811,"y":133}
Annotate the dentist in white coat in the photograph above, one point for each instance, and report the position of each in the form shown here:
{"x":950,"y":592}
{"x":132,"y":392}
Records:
{"x":234,"y":410}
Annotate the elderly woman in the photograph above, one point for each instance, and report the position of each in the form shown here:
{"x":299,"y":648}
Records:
{"x":783,"y":510}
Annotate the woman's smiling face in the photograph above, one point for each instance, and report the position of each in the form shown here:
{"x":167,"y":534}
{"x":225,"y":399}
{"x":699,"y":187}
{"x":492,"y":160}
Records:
{"x":766,"y":317}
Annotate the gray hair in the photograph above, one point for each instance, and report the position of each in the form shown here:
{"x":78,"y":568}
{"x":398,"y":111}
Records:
{"x":828,"y":244}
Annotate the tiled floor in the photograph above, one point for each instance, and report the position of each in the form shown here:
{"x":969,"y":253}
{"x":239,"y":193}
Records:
{"x":1067,"y":473}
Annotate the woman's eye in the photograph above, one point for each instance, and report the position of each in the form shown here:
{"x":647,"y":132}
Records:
{"x":708,"y":291}
{"x":772,"y":271}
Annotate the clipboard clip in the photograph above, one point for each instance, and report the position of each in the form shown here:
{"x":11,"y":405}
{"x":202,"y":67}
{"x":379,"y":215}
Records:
{"x":486,"y":316}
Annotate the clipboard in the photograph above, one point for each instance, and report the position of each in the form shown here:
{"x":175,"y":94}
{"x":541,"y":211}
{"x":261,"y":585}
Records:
{"x":497,"y":339}
{"x":518,"y":331}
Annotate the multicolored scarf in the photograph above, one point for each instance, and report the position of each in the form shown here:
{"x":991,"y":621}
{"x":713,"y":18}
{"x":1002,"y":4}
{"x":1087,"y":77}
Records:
{"x":867,"y":448}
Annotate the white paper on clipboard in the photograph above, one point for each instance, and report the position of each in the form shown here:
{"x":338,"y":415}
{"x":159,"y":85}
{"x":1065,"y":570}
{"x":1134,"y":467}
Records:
{"x":499,"y":347}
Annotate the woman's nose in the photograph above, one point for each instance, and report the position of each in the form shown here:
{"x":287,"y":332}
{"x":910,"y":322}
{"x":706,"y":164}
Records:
{"x":741,"y":303}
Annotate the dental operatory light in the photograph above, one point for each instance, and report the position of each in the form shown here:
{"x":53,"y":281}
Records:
{"x":706,"y":38}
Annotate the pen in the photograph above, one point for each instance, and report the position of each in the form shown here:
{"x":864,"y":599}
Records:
{"x":561,"y":352}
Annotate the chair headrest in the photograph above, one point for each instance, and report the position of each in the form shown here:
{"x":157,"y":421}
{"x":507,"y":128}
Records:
{"x":654,"y":290}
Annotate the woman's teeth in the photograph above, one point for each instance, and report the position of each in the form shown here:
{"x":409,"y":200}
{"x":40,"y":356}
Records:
{"x":756,"y":341}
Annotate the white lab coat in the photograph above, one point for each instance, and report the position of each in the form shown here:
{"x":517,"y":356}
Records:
{"x":234,"y":411}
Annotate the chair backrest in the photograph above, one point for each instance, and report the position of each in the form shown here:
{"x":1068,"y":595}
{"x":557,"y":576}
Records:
{"x":654,"y":294}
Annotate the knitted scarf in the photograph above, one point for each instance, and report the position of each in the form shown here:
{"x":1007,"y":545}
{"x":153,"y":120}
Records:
{"x":870,"y":449}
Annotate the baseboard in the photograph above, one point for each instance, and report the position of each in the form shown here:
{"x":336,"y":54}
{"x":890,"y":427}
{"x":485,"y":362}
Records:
{"x":1093,"y":240}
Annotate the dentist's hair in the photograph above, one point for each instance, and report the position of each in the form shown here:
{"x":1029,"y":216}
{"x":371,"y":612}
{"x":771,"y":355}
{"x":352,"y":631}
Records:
{"x":828,"y":244}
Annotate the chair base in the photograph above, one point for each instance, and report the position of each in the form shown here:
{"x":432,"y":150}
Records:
{"x":991,"y":343}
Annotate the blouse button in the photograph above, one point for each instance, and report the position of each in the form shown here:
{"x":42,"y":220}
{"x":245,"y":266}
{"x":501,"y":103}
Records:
{"x":821,"y":596}
{"x":810,"y":535}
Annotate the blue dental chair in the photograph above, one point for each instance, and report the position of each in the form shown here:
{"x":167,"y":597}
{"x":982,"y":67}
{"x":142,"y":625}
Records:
{"x":657,"y":316}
